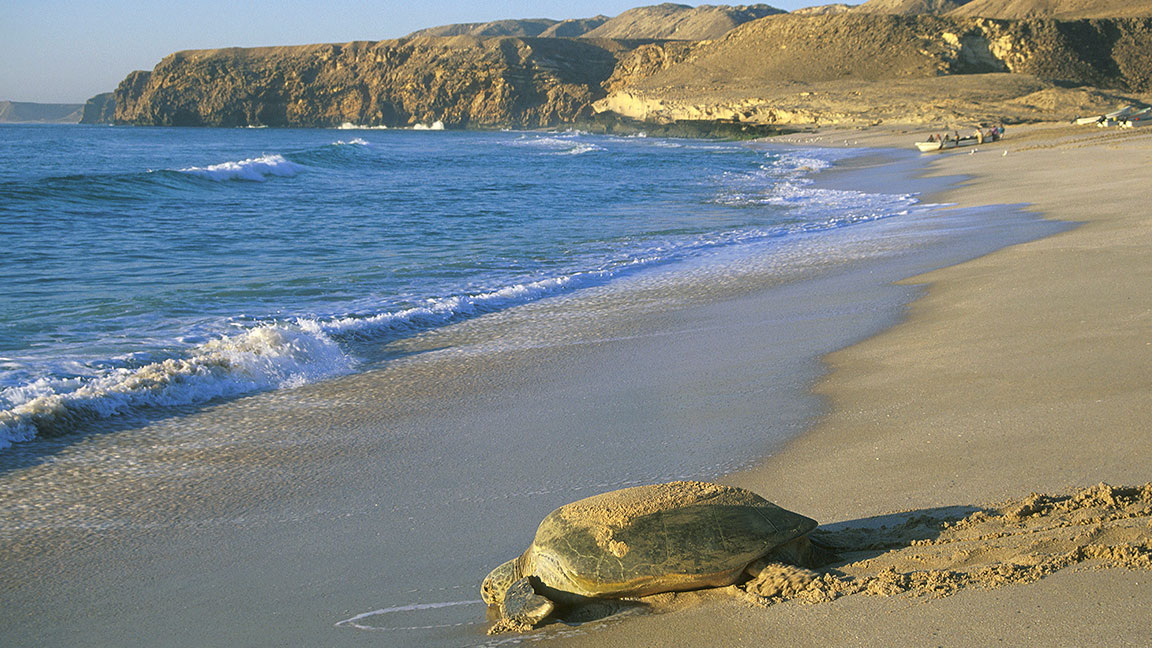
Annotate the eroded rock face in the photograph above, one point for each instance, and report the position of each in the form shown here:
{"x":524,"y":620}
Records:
{"x":818,"y":48}
{"x":461,"y":81}
{"x":100,"y":109}
{"x":776,"y":70}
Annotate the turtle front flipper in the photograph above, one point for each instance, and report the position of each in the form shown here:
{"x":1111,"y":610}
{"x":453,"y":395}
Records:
{"x":522,"y":608}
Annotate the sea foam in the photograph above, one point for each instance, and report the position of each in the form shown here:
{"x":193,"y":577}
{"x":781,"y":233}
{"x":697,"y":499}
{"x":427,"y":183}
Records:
{"x":566,"y":143}
{"x":351,"y":126}
{"x":253,"y":169}
{"x":270,"y":356}
{"x":266,"y":357}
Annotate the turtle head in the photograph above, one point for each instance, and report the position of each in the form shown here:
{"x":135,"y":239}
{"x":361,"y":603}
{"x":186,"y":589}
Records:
{"x":500,"y":579}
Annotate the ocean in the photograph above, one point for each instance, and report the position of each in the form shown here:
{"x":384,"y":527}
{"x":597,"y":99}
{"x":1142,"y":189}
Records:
{"x":149,"y":268}
{"x":307,"y":387}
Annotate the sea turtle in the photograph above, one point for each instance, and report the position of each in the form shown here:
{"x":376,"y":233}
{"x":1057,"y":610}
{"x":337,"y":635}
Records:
{"x":638,"y":541}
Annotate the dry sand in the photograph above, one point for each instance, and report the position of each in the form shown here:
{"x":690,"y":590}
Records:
{"x":1027,"y":370}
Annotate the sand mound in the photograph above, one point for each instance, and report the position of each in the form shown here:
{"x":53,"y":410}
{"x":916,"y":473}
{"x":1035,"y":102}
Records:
{"x":931,"y":555}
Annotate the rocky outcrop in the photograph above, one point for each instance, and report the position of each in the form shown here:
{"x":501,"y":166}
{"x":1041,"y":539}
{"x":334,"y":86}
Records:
{"x":909,"y":7}
{"x":100,"y":109}
{"x":460,"y":81}
{"x":1059,"y":9}
{"x":821,"y":10}
{"x":858,"y":69}
{"x":29,"y":112}
{"x":806,"y":49}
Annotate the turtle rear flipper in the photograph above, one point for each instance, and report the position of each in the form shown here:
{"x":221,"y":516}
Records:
{"x":522,"y":608}
{"x":804,"y":552}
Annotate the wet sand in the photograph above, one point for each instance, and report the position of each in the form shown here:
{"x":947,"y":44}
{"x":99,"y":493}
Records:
{"x":1027,"y":370}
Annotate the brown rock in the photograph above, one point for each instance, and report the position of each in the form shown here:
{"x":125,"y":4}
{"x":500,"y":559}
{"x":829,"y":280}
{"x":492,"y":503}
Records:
{"x":461,"y":81}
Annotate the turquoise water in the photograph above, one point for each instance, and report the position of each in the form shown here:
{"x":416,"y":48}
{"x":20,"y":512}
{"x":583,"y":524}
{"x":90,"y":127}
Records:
{"x":150,"y":268}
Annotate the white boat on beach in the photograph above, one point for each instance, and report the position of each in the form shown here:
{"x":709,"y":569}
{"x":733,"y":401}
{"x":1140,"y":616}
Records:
{"x":942,"y":144}
{"x":1114,"y":118}
{"x":1139,"y":118}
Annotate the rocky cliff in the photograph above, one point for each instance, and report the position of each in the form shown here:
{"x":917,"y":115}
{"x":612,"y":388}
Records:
{"x":860,"y":68}
{"x":462,"y":81}
{"x":789,"y":48}
{"x":100,"y":109}
{"x":781,"y":69}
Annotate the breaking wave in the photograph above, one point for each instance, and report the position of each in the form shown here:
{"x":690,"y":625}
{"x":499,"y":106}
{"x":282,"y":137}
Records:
{"x":566,"y":143}
{"x":785,"y":180}
{"x":351,"y":126}
{"x":270,"y":356}
{"x":253,"y":169}
{"x":139,"y":185}
{"x":266,"y":357}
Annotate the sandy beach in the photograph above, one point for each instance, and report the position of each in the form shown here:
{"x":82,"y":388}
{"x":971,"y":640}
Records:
{"x":1024,"y":371}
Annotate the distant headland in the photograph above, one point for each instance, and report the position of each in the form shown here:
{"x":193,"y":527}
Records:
{"x":26,"y":112}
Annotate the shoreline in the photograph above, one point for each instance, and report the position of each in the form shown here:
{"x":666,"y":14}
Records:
{"x":274,"y":517}
{"x":960,"y":309}
{"x":1021,"y":371}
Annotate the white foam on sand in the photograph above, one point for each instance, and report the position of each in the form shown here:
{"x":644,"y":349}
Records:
{"x":357,"y":621}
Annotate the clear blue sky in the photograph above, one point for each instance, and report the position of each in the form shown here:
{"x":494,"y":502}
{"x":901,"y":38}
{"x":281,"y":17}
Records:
{"x":60,"y":51}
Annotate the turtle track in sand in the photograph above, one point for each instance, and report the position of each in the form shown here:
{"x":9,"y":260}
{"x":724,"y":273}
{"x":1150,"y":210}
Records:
{"x":938,"y":553}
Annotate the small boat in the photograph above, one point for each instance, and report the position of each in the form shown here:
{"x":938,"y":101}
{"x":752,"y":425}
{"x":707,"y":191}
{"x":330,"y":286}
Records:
{"x":950,"y":143}
{"x":1139,"y":118}
{"x":1114,"y":118}
{"x":1122,"y":113}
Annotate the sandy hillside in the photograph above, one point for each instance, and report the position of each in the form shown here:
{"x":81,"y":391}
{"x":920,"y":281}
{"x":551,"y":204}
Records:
{"x":909,"y":7}
{"x":1059,"y":9}
{"x":680,"y":21}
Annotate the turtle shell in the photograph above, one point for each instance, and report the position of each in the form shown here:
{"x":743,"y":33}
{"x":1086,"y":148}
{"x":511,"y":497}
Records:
{"x":666,"y":537}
